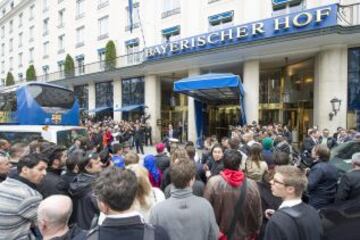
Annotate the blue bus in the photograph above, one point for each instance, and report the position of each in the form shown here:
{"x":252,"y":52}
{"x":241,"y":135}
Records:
{"x":38,"y":104}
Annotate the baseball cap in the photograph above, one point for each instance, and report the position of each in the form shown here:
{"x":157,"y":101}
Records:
{"x":160,"y":147}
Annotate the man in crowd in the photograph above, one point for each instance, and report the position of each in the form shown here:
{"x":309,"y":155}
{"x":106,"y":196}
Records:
{"x":4,"y":167}
{"x":223,"y":192}
{"x":349,"y":187}
{"x":311,"y":140}
{"x":115,"y":190}
{"x":117,"y":156}
{"x":162,"y":160}
{"x":52,"y":182}
{"x":4,"y":147}
{"x":85,"y":207}
{"x":53,"y":216}
{"x":19,"y":198}
{"x":294,"y":220}
{"x":183,"y":215}
{"x":139,"y":138}
{"x":327,"y":140}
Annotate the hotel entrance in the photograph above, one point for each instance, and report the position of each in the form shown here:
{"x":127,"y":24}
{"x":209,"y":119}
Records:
{"x":286,"y":96}
{"x":221,"y":118}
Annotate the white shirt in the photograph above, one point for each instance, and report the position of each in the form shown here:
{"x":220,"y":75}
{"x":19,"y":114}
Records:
{"x":290,"y":203}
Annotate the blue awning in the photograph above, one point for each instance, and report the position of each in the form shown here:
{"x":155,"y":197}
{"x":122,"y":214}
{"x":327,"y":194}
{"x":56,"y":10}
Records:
{"x":99,"y":109}
{"x":129,"y":108}
{"x":171,"y":31}
{"x":223,"y":87}
{"x":222,"y":17}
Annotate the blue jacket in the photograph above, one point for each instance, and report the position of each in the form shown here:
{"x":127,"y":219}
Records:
{"x":118,"y":161}
{"x":322,"y":184}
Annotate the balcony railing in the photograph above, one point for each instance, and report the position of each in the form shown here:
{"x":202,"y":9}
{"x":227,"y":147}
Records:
{"x":349,"y":15}
{"x":96,"y":67}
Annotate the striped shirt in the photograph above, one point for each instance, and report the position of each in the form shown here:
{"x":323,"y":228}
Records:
{"x":18,"y":209}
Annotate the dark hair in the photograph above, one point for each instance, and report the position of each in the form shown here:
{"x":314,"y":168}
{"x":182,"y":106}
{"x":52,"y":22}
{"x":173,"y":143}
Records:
{"x":232,"y":159}
{"x":234,"y":143}
{"x":190,"y":150}
{"x":31,"y":160}
{"x":116,"y":147}
{"x":116,"y":187}
{"x":181,"y":172}
{"x":73,"y":159}
{"x":189,"y":143}
{"x":218,"y":145}
{"x":84,"y":161}
{"x":323,"y":152}
{"x":255,"y":153}
{"x":53,"y":152}
{"x":281,"y":158}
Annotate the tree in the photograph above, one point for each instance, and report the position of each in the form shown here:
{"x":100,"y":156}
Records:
{"x":9,"y":79}
{"x":30,"y":73}
{"x":110,"y":55}
{"x":69,"y":66}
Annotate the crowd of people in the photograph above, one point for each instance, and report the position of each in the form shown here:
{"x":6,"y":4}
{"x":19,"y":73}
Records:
{"x":250,"y":185}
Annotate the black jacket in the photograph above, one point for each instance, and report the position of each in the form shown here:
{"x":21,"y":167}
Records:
{"x":309,"y":143}
{"x":349,"y":187}
{"x":74,"y":233}
{"x":304,"y":224}
{"x":85,"y":206}
{"x":130,"y":228}
{"x":52,"y":184}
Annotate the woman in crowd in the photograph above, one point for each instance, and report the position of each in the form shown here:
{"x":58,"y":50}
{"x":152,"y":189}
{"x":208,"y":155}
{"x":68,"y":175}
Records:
{"x":154,"y":172}
{"x":215,"y":163}
{"x":255,"y":167}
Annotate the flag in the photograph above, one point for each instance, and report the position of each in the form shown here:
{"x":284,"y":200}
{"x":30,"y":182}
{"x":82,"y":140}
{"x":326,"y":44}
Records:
{"x":131,"y":15}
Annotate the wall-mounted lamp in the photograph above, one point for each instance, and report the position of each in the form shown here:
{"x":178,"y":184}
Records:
{"x":335,"y":104}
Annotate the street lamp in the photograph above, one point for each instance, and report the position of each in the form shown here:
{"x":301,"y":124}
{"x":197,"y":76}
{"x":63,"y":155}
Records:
{"x":335,"y":104}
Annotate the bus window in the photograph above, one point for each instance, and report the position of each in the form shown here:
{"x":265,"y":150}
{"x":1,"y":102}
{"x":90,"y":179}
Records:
{"x":52,"y":99}
{"x":24,"y":137}
{"x":8,"y":102}
{"x":66,"y":138}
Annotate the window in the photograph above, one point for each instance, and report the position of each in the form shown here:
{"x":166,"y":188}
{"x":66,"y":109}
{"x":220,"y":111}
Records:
{"x":2,"y":66}
{"x":31,"y":12}
{"x":12,"y":5}
{"x":45,"y":49}
{"x":135,"y":17}
{"x":61,"y":68}
{"x":11,"y":44}
{"x":46,"y":72}
{"x":103,"y":28}
{"x":82,"y":94}
{"x":20,"y":39}
{"x":20,"y":19}
{"x":31,"y":55}
{"x":46,"y":27}
{"x":132,"y":51}
{"x":171,"y":34}
{"x":45,"y":5}
{"x":80,"y":8}
{"x":3,"y":49}
{"x":283,"y":7}
{"x":102,"y":3}
{"x":61,"y":47}
{"x":11,"y":63}
{"x":104,"y":94}
{"x":31,"y":34}
{"x":80,"y":60}
{"x":11,"y":26}
{"x":220,"y":21}
{"x":170,"y":7}
{"x":132,"y":91}
{"x":80,"y":36}
{"x":20,"y":76}
{"x":20,"y":57}
{"x":101,"y":54}
{"x":61,"y":18}
{"x":2,"y":31}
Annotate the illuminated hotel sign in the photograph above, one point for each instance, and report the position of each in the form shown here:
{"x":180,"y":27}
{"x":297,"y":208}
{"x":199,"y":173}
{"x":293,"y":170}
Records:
{"x":313,"y":19}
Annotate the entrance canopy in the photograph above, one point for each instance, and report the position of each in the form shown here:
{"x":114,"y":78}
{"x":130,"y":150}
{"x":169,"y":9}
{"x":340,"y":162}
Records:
{"x":130,"y":108}
{"x":215,"y":88}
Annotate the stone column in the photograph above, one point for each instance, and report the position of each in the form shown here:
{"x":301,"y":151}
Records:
{"x":191,"y":111}
{"x":153,"y":102}
{"x":251,"y":78}
{"x":117,"y":98}
{"x":330,"y":81}
{"x":92,"y":100}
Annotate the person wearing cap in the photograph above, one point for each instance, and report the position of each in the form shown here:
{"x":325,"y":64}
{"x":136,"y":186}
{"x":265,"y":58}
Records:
{"x":85,"y":207}
{"x":52,"y":182}
{"x":349,"y":187}
{"x":162,"y":160}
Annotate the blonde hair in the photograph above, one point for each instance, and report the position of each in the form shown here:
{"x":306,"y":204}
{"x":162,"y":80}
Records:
{"x":131,"y":158}
{"x":178,"y":153}
{"x":144,"y":186}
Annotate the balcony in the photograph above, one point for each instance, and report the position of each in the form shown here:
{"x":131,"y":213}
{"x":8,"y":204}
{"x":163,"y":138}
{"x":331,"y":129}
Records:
{"x":134,"y":59}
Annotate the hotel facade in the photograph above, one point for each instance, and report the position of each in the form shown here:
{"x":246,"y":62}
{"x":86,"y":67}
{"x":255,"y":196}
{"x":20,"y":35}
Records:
{"x":298,"y":60}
